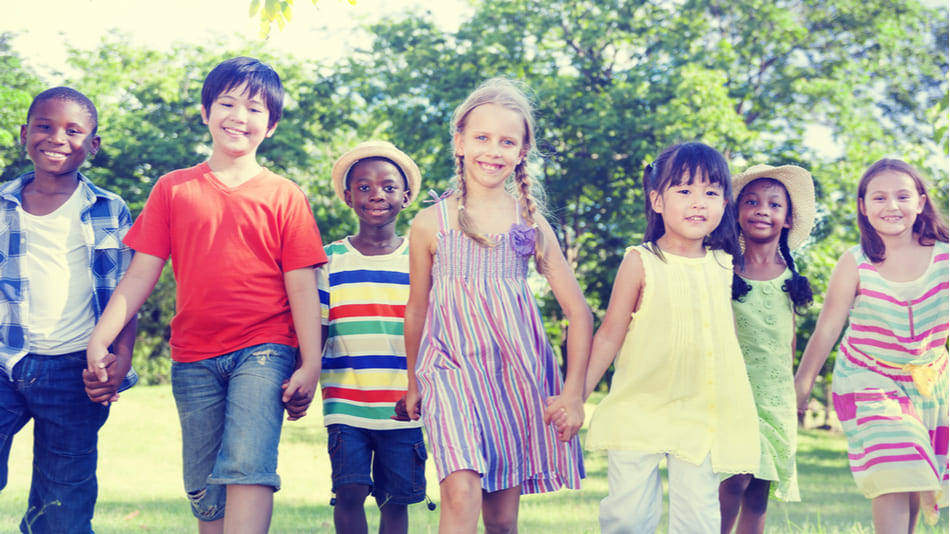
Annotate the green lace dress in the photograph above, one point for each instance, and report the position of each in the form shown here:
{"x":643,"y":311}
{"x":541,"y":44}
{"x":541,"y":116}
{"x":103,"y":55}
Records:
{"x":764,"y":324}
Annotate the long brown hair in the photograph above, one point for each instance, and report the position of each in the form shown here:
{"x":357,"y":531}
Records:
{"x":930,"y":225}
{"x":507,"y":94}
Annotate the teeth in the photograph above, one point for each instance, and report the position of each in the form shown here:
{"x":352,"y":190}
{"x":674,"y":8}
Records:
{"x":233,"y":131}
{"x":53,"y":155}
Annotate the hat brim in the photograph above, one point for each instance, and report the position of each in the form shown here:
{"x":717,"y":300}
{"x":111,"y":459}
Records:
{"x":376,"y":149}
{"x":801,"y":191}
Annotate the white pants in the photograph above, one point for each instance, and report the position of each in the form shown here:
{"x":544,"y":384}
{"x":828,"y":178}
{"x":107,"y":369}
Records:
{"x":635,"y":497}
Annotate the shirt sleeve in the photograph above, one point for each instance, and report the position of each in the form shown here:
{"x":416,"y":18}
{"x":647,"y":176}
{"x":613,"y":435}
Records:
{"x":151,"y":232}
{"x":323,"y":289}
{"x":301,"y":243}
{"x":125,"y":223}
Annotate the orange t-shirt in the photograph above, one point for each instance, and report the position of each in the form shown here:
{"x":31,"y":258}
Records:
{"x":230,"y":248}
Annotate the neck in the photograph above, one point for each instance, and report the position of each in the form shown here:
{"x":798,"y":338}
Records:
{"x":371,"y":240}
{"x":679,"y":246}
{"x":761,"y":253}
{"x":51,"y":184}
{"x":903,"y":241}
{"x":234,"y":170}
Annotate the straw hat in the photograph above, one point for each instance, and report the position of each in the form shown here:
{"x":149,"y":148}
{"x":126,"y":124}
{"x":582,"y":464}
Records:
{"x":376,"y":149}
{"x":801,"y":191}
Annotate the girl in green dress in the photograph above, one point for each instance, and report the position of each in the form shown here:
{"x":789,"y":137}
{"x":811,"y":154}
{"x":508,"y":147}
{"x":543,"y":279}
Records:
{"x":776,"y":211}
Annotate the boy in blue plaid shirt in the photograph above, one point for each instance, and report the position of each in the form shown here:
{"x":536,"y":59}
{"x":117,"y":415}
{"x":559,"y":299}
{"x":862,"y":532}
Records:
{"x":61,"y":256}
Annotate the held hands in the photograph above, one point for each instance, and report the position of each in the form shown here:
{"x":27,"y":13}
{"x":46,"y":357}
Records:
{"x":299,"y":391}
{"x":802,"y":393}
{"x":566,"y":413}
{"x":103,"y":374}
{"x":409,"y":407}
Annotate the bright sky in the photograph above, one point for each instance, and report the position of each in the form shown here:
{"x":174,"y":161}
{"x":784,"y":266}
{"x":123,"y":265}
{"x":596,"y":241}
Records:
{"x":323,"y":31}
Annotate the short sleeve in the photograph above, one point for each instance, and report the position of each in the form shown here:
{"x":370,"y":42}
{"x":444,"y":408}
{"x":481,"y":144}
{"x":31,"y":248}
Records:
{"x":323,"y":290}
{"x":151,"y":232}
{"x":301,"y":243}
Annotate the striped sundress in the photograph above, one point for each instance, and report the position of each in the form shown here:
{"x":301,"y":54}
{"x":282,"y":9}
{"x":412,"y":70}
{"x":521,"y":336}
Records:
{"x":890,"y":381}
{"x":486,"y":367}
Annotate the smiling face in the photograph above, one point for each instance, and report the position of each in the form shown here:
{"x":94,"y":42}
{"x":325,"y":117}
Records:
{"x":763,"y":210}
{"x":58,"y":137}
{"x":238,"y":122}
{"x":690,"y":211}
{"x":376,"y":191}
{"x":492,"y":144}
{"x":891,"y":203}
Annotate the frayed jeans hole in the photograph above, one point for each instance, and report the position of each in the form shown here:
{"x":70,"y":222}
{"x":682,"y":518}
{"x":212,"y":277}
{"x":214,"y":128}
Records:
{"x":196,"y":497}
{"x":264,"y":355}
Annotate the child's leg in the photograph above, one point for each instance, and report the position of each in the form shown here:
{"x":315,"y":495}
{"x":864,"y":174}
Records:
{"x":351,"y":455}
{"x":461,"y":494}
{"x":891,"y":513}
{"x":398,"y":476}
{"x":730,"y":499}
{"x":500,"y":510}
{"x":635,"y":496}
{"x":694,"y":497}
{"x":13,"y":416}
{"x":252,"y":422}
{"x":200,"y":391}
{"x":755,"y":502}
{"x":65,"y":439}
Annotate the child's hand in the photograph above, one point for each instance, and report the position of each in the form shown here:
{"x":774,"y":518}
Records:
{"x":566,"y":414}
{"x":401,"y":413}
{"x":802,"y":393}
{"x":102,"y":383}
{"x":299,"y":391}
{"x":413,"y":404}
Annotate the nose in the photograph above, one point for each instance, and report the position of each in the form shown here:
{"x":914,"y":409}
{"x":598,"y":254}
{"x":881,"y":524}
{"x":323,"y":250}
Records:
{"x":58,"y":135}
{"x":238,"y":113}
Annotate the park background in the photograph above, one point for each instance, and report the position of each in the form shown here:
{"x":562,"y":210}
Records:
{"x":830,"y":85}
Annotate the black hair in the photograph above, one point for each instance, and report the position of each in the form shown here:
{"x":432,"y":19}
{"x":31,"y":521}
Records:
{"x":797,"y":287}
{"x":66,"y":94}
{"x":260,"y":79}
{"x":346,"y":178}
{"x":671,"y":167}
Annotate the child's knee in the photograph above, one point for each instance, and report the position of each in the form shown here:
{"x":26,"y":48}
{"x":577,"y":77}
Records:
{"x":501,"y":523}
{"x":735,"y":485}
{"x":206,"y":504}
{"x":350,"y":495}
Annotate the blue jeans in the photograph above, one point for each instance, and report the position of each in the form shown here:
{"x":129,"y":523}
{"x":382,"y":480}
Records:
{"x":49,"y":389}
{"x":397,"y":459}
{"x":231,"y":413}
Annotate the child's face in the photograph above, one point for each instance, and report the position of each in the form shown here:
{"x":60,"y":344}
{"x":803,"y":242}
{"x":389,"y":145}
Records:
{"x":891,"y":203}
{"x":237,"y":122}
{"x":58,"y":137}
{"x":491,"y":143}
{"x":376,"y":192}
{"x":763,"y":211}
{"x":690,"y":211}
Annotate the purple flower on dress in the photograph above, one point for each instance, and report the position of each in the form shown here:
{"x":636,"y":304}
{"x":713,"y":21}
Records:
{"x":522,"y":239}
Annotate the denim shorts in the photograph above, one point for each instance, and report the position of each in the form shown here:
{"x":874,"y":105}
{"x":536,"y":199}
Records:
{"x":231,"y":413}
{"x":397,"y":459}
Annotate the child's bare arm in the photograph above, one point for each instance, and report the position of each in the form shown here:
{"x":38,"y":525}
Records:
{"x":421,"y":246}
{"x":842,"y":287}
{"x":114,"y":326}
{"x":624,"y":300}
{"x":117,"y":366}
{"x":567,"y":409}
{"x":305,"y":309}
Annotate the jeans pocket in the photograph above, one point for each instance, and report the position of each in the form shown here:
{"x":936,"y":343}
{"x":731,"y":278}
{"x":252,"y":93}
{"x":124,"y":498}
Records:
{"x":419,"y":467}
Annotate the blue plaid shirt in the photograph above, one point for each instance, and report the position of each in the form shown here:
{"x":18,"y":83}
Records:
{"x":105,"y":219}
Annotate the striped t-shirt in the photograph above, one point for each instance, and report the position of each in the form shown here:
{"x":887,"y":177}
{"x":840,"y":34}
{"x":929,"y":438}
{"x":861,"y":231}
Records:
{"x":363,"y":302}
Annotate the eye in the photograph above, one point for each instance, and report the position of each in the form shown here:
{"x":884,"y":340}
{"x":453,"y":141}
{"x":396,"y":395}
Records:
{"x":712,"y":193}
{"x":508,"y":142}
{"x":481,"y":138}
{"x":750,"y":202}
{"x":362,"y":187}
{"x":42,"y":126}
{"x":775,"y":205}
{"x":72,"y":131}
{"x":389,"y":188}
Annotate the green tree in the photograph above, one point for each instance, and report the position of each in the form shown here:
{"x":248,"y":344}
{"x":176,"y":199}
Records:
{"x":18,"y":84}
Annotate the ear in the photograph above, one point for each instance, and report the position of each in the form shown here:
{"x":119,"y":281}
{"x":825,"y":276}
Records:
{"x":457,"y":144}
{"x":270,"y":131}
{"x":94,"y":143}
{"x":922,"y":201}
{"x":656,"y":202}
{"x":788,"y":220}
{"x":204,"y":115}
{"x":861,"y":207}
{"x":23,"y":134}
{"x":405,"y":198}
{"x":347,"y":198}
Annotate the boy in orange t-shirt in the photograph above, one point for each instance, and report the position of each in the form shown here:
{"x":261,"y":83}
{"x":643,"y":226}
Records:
{"x":243,"y":244}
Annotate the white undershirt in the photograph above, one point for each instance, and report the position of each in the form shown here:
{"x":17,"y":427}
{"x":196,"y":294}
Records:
{"x":60,"y":316}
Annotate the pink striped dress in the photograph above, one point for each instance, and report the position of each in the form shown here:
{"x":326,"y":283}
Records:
{"x":890,"y":380}
{"x":485,"y":368}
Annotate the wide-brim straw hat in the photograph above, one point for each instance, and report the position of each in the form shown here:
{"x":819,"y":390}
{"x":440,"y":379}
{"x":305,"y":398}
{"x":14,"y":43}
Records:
{"x":801,"y":191}
{"x":376,"y":149}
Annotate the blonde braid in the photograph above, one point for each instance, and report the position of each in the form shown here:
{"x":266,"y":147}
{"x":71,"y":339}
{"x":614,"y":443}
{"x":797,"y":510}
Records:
{"x":529,"y":208}
{"x":465,"y":222}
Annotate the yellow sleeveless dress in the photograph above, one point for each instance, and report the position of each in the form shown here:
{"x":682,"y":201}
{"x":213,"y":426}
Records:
{"x":680,"y":384}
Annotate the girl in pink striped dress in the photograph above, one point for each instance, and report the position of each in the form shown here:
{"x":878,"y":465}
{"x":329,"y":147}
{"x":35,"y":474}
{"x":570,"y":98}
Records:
{"x":482,"y":373}
{"x":890,"y":377}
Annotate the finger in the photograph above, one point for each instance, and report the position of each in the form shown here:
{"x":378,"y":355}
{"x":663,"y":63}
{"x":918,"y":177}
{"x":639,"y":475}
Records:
{"x":100,"y":369}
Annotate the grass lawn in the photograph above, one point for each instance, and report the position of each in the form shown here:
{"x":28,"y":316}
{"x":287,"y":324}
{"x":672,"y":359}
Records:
{"x":140,"y":487}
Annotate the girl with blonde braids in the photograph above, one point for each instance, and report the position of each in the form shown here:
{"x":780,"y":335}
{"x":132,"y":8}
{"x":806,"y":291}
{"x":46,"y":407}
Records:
{"x":482,"y":375}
